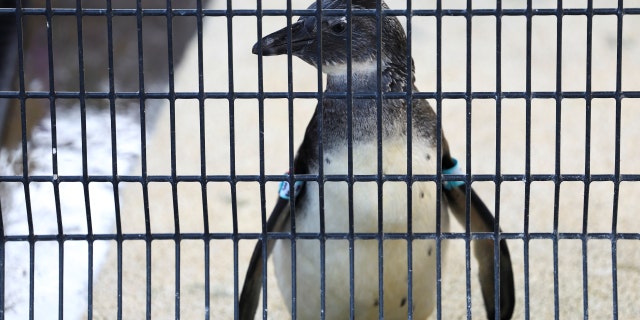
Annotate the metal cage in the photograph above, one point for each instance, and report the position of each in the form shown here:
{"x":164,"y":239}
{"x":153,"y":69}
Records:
{"x":143,"y":143}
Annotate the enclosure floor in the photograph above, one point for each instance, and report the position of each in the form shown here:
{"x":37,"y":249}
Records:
{"x":513,"y":127}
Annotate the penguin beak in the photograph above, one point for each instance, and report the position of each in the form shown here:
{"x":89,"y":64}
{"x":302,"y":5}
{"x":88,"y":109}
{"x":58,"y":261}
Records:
{"x":277,"y":42}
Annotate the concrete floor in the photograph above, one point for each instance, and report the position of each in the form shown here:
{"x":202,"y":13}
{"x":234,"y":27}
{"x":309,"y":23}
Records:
{"x":513,"y":127}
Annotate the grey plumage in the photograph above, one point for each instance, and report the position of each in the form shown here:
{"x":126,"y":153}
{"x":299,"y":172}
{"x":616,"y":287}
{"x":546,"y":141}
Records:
{"x":331,"y":120}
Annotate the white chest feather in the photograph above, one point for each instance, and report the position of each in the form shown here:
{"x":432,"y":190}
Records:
{"x":366,"y":194}
{"x":365,"y":206}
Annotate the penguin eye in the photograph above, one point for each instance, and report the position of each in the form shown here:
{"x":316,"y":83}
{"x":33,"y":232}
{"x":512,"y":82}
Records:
{"x":339,"y":27}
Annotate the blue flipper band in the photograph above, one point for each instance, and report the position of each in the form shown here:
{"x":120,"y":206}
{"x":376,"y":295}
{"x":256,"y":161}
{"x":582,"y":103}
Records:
{"x":283,"y":190}
{"x":453,"y":170}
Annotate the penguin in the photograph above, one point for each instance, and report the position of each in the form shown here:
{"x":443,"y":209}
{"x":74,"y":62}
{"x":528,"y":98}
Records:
{"x":338,"y":143}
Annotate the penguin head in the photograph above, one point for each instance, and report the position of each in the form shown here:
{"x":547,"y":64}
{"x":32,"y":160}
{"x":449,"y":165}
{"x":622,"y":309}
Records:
{"x":332,"y":31}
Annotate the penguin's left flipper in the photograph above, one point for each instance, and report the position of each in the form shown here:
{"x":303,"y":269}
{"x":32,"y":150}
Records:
{"x":251,"y":289}
{"x":482,"y":221}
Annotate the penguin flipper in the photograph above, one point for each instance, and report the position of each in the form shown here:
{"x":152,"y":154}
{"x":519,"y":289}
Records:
{"x":483,"y":221}
{"x":251,"y":289}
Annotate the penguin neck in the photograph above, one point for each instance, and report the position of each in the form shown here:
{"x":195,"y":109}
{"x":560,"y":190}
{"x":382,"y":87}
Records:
{"x":364,"y":111}
{"x":364,"y":78}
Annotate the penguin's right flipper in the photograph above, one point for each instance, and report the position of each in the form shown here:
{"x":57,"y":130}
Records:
{"x":483,"y":221}
{"x":251,"y":289}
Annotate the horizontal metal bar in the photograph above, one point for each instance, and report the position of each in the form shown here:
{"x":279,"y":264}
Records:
{"x":326,"y":12}
{"x":316,"y":95}
{"x":327,"y":236}
{"x":326,"y":178}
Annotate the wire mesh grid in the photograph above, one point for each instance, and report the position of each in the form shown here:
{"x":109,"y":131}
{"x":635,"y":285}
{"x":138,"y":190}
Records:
{"x":138,"y":185}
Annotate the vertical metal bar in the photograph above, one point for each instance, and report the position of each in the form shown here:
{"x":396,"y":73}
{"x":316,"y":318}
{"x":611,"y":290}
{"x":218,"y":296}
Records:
{"x":293,"y":235}
{"x":56,"y":190}
{"x":114,"y":153}
{"x":587,"y":161}
{"x":263,"y":213}
{"x":174,"y":182}
{"x":409,"y":177}
{"x":261,"y":150}
{"x":439,"y":138}
{"x":144,"y":177}
{"x":498,"y":173}
{"x":350,"y":178}
{"x":85,"y":164}
{"x":56,"y":193}
{"x":558,"y":177}
{"x":527,"y":184}
{"x":468,"y":101}
{"x":320,"y":178}
{"x":616,"y":182}
{"x":54,"y":159}
{"x":380,"y":183}
{"x":232,"y":155}
{"x":203,"y":163}
{"x":25,"y":158}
